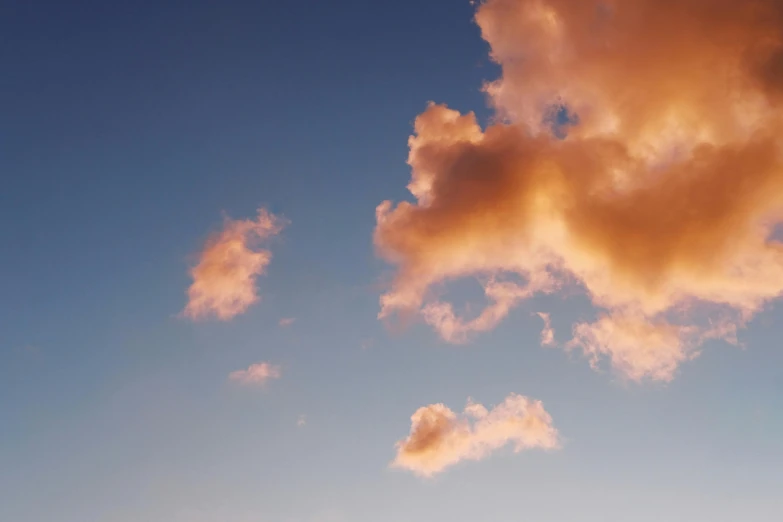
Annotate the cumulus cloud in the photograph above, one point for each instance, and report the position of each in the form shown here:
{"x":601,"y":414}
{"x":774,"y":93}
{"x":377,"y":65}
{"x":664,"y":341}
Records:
{"x":636,"y":153}
{"x":256,"y":374}
{"x":440,"y":438}
{"x":224,"y":280}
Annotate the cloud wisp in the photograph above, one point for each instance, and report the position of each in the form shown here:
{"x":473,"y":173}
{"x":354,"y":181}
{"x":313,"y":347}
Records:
{"x":656,"y":193}
{"x":224,"y":279}
{"x":256,"y":374}
{"x":440,"y":438}
{"x":547,"y":332}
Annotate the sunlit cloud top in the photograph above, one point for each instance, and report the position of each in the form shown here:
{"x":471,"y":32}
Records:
{"x":636,"y":154}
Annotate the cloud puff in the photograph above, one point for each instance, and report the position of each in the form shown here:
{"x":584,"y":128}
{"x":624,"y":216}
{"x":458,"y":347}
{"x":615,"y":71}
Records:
{"x":256,"y":374}
{"x":440,"y":438}
{"x":286,"y":321}
{"x":655,"y":187}
{"x":224,"y":280}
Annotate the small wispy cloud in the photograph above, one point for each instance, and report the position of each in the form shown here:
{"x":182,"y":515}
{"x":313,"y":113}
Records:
{"x":639,"y":348}
{"x":547,"y":332}
{"x":286,"y":322}
{"x":301,"y":421}
{"x":256,"y":374}
{"x":440,"y":438}
{"x":224,"y":280}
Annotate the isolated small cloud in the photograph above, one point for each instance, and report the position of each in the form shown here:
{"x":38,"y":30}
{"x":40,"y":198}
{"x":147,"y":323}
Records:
{"x":256,"y":374}
{"x":301,"y":421}
{"x":440,"y":438}
{"x":224,"y":279}
{"x":286,"y":322}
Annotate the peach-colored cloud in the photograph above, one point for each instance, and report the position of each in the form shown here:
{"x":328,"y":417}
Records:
{"x":440,"y":438}
{"x":502,"y":296}
{"x":286,"y":321}
{"x":658,"y":202}
{"x":547,"y":332}
{"x":639,"y":347}
{"x":224,"y":280}
{"x":256,"y":374}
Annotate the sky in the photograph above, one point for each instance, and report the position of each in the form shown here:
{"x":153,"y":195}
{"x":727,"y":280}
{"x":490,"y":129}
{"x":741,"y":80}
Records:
{"x":391,"y":261}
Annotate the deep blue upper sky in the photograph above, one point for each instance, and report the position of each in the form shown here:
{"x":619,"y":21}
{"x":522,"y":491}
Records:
{"x":124,"y":123}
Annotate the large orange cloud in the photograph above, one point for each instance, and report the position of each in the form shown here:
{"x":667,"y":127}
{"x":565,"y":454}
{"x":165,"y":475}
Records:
{"x":440,"y":438}
{"x":224,"y":280}
{"x":660,"y":200}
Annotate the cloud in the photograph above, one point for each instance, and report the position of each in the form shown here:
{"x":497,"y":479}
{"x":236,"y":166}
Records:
{"x":224,"y":280}
{"x":301,"y":421}
{"x":547,"y":332}
{"x":286,"y":321}
{"x":256,"y":374}
{"x":656,"y":193}
{"x":440,"y":438}
{"x":502,"y":296}
{"x":639,"y":347}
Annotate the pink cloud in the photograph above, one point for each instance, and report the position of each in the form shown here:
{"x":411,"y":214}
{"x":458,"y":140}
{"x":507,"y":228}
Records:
{"x":639,"y":348}
{"x":547,"y":332}
{"x":224,"y":279}
{"x":256,"y":374}
{"x":286,"y":322}
{"x":658,"y":204}
{"x":502,"y":297}
{"x":440,"y":438}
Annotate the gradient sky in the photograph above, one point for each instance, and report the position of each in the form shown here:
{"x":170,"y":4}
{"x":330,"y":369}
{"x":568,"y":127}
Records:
{"x":130,"y":131}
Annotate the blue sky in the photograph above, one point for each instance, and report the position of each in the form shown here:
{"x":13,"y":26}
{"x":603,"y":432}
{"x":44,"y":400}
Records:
{"x":128,"y":131}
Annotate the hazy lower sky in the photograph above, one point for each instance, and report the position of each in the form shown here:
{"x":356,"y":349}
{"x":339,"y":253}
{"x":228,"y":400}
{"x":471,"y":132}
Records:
{"x":344,"y":261}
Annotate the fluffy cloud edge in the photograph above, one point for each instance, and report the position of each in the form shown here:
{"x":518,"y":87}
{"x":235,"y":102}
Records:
{"x":440,"y":438}
{"x":658,"y":202}
{"x":225,"y":277}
